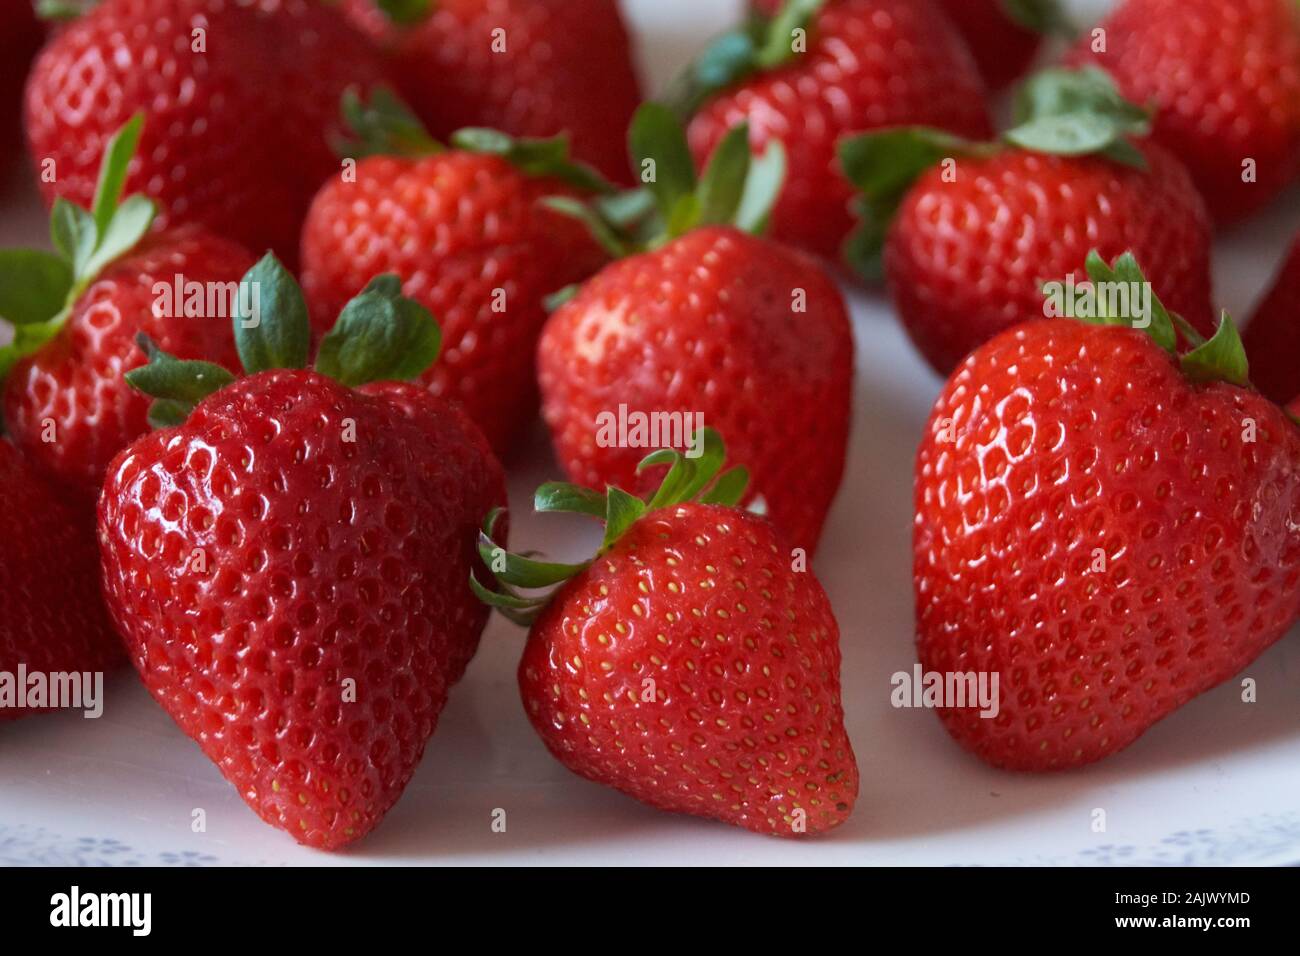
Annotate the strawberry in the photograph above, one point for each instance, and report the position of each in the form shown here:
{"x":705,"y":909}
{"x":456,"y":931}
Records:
{"x":689,"y":664}
{"x":1273,"y":336}
{"x":240,"y":100}
{"x":1106,"y":525}
{"x":1224,"y":76}
{"x":817,"y":71}
{"x":710,"y":323}
{"x":54,"y":620}
{"x":1005,"y":36}
{"x":20,"y":38}
{"x":977,"y":228}
{"x":465,"y":231}
{"x":530,"y":68}
{"x":288,"y":561}
{"x":76,"y":314}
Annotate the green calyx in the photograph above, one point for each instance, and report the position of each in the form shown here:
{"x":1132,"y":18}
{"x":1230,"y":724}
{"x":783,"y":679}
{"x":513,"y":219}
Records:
{"x":380,"y":336}
{"x":761,"y":43}
{"x":699,"y":479}
{"x":735,"y":188}
{"x":1119,"y":294}
{"x":1047,"y":17}
{"x":405,"y":13}
{"x":385,"y":126}
{"x":38,"y":289}
{"x":1060,"y":112}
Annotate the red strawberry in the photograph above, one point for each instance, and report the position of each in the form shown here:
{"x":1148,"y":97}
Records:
{"x":77,"y":313}
{"x":54,"y":620}
{"x":750,"y":335}
{"x":687,"y":665}
{"x":1273,"y":336}
{"x":530,"y":68}
{"x":236,"y":138}
{"x":465,"y":231}
{"x":1004,"y":36}
{"x":1107,"y":527}
{"x":985,"y":225}
{"x":20,"y":38}
{"x":289,"y":565}
{"x":867,"y":64}
{"x":1224,"y":76}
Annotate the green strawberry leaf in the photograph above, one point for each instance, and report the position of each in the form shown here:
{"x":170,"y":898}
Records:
{"x":534,"y":157}
{"x":128,"y":225}
{"x":113,"y":169}
{"x":74,"y":234}
{"x":883,"y":166}
{"x":182,"y":380}
{"x":762,"y":189}
{"x":563,"y":497}
{"x":406,"y":12}
{"x":1047,"y":17}
{"x":688,"y":479}
{"x":380,"y":336}
{"x":778,"y":46}
{"x":722,"y":187}
{"x":621,"y":511}
{"x":27,"y":339}
{"x":34,"y":285}
{"x":605,"y":234}
{"x":1068,"y":112}
{"x":1221,"y":359}
{"x":657,"y":141}
{"x":384,"y":126}
{"x":727,"y":60}
{"x":271,"y":325}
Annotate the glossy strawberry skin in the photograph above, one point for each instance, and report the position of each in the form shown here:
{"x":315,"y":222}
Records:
{"x":567,"y":68}
{"x":54,"y":620}
{"x":1102,"y":534}
{"x":20,"y":38}
{"x":698,"y":607}
{"x":76,"y":381}
{"x":236,"y":138}
{"x":967,"y":259}
{"x":324,"y":560}
{"x":869,"y":64}
{"x":708,"y":324}
{"x":1272,"y":339}
{"x":1003,"y":49}
{"x":457,"y":227}
{"x":1224,"y":76}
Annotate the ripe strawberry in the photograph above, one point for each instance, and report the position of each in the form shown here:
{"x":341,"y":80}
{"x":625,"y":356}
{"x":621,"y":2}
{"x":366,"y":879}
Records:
{"x":54,"y":620}
{"x":20,"y":38}
{"x":985,"y":225}
{"x":1004,"y":36}
{"x":238,"y":112}
{"x":1224,"y":76}
{"x":76,"y":313}
{"x":864,"y":64}
{"x":289,"y":563}
{"x":714,"y":322}
{"x":1106,"y":526}
{"x":466,"y":233}
{"x":687,"y":664}
{"x":1273,"y":336}
{"x":530,"y":68}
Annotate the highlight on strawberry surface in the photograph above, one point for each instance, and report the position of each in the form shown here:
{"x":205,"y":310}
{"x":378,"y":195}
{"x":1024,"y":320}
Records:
{"x":626,"y":686}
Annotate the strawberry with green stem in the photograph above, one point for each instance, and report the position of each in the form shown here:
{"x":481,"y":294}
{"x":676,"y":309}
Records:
{"x":968,"y":232}
{"x":464,"y":228}
{"x":688,"y":664}
{"x":703,"y":318}
{"x":77,"y":310}
{"x":287,"y":558}
{"x":812,"y":72}
{"x":1105,"y":522}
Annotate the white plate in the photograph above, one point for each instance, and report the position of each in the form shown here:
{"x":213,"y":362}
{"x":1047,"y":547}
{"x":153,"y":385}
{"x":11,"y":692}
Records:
{"x":1214,"y":783}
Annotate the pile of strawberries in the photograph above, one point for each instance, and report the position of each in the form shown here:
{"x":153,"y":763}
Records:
{"x":315,"y":267}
